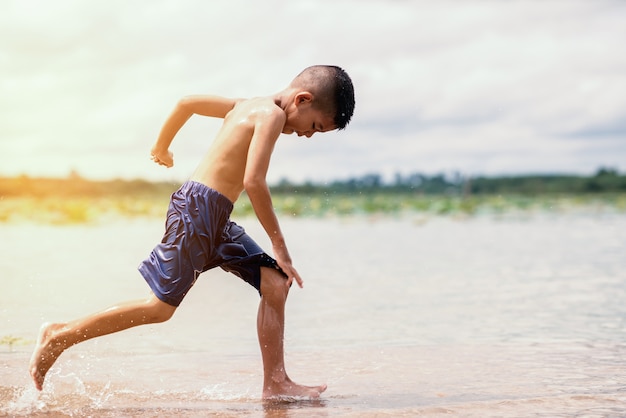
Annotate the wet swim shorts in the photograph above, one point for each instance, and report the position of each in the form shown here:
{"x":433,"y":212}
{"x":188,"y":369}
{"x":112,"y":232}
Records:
{"x":199,"y":236}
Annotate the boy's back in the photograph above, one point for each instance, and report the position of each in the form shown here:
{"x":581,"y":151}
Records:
{"x":225,"y":164}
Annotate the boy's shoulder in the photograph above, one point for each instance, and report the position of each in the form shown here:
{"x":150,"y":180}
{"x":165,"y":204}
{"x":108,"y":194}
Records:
{"x":258,"y":108}
{"x":260,"y":103}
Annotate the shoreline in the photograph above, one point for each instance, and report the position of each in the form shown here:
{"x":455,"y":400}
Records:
{"x":88,"y":210}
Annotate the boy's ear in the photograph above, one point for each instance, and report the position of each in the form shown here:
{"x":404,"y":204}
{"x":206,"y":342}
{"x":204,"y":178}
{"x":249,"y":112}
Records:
{"x":303,"y":97}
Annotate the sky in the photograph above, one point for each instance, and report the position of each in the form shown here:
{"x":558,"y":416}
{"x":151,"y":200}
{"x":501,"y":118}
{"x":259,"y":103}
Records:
{"x":473,"y":87}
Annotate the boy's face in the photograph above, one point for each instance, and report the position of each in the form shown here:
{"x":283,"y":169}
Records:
{"x":306,"y":120}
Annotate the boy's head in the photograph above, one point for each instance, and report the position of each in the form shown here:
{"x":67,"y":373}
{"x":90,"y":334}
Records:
{"x":332,"y":89}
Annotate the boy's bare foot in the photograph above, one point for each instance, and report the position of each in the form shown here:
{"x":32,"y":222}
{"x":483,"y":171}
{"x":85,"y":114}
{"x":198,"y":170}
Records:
{"x":45,"y":354}
{"x":289,"y":389}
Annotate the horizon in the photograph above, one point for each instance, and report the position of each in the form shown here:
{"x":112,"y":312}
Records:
{"x":450,"y":177}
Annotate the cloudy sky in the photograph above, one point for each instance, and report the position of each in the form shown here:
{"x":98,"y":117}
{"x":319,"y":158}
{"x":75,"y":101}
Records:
{"x":475,"y":87}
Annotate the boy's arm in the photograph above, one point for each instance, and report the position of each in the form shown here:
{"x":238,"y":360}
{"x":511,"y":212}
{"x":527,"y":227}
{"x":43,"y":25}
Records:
{"x":266,"y":132}
{"x":214,"y":106}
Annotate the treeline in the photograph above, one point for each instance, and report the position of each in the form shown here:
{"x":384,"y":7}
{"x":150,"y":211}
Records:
{"x":75,"y":185}
{"x":603,"y":181}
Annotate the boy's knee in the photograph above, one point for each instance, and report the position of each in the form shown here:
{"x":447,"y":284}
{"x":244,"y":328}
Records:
{"x":158,"y":311}
{"x":273,"y":284}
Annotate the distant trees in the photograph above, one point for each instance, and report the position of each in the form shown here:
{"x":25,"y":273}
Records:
{"x":605,"y":180}
{"x":75,"y":185}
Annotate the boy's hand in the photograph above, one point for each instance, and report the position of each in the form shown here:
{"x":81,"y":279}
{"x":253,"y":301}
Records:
{"x":284,"y":262}
{"x":162,"y":158}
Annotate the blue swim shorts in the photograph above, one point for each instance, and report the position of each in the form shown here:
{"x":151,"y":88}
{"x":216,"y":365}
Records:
{"x":199,"y":236}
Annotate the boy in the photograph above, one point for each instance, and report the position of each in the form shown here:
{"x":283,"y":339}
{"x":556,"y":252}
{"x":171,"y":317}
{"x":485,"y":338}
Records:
{"x":199,"y":234}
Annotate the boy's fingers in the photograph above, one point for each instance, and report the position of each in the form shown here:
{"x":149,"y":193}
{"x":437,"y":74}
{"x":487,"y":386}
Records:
{"x":290,"y":280}
{"x":298,"y":280}
{"x":161,"y":162}
{"x":292,"y":275}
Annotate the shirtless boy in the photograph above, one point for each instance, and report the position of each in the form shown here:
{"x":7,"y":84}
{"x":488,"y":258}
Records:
{"x":199,"y":234}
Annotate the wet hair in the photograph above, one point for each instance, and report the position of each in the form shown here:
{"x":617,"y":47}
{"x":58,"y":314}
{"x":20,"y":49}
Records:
{"x":332,"y":90}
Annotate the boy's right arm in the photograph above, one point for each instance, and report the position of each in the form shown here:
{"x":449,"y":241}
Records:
{"x":214,"y":106}
{"x":267,"y":128}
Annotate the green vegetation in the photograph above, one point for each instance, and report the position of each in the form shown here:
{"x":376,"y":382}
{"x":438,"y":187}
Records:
{"x":10,"y":341}
{"x":77,"y":200}
{"x":311,"y":205}
{"x":437,"y":195}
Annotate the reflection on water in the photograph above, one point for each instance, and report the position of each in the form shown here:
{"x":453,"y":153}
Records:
{"x":479,"y":317}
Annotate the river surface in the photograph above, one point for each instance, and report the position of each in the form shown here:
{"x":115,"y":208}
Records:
{"x":508,"y":316}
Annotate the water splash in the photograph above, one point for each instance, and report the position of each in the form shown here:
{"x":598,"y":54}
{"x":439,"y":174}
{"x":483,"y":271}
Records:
{"x":27,"y":401}
{"x":220,"y":392}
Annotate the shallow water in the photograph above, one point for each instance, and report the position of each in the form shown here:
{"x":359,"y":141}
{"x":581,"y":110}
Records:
{"x":509,"y":317}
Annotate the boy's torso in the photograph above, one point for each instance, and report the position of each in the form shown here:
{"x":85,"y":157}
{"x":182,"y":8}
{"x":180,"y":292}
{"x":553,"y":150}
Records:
{"x":224,"y":165}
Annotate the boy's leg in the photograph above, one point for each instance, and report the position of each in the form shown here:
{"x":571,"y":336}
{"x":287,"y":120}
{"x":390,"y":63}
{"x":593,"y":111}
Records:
{"x":55,"y":338}
{"x":270,"y":328}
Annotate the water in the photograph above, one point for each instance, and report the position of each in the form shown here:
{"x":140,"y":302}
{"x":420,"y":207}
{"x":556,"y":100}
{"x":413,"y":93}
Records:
{"x":509,"y":317}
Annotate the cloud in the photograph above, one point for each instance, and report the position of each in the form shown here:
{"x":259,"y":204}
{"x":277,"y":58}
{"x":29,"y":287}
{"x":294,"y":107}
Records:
{"x":477,"y":87}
